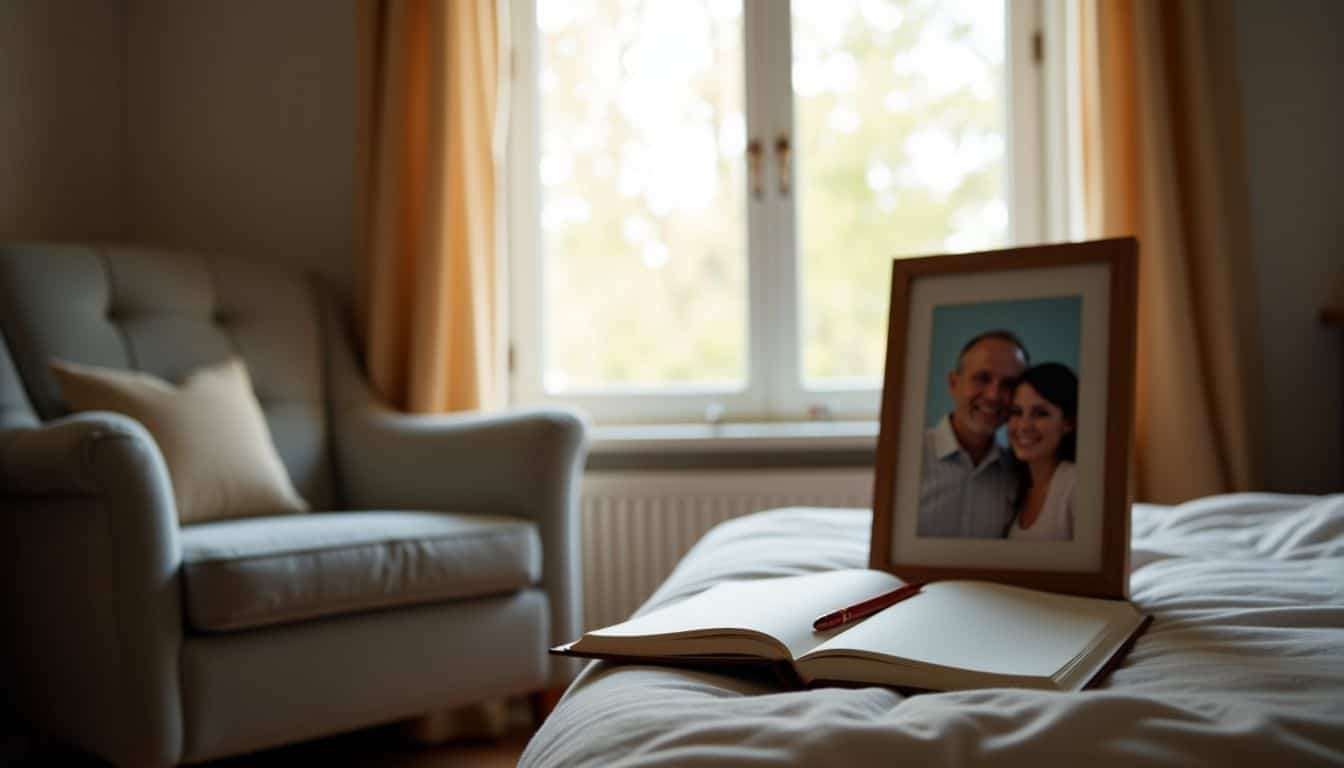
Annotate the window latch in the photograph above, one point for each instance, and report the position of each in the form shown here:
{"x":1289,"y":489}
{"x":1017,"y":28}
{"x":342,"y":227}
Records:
{"x":782,"y":158}
{"x":755,"y":168}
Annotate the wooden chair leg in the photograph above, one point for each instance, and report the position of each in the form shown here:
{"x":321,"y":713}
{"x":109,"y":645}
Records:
{"x":485,"y":720}
{"x":543,"y":702}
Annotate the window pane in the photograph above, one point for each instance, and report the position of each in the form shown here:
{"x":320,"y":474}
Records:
{"x":643,"y":205}
{"x":901,"y":132}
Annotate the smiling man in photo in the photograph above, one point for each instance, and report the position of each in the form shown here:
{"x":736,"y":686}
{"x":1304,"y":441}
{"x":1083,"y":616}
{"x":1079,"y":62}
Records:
{"x":966,"y":482}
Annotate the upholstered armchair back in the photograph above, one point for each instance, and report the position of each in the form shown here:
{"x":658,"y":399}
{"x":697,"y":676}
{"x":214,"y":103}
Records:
{"x":167,"y":314}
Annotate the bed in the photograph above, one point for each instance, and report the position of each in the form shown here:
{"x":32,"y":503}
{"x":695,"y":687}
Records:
{"x":1242,"y":665}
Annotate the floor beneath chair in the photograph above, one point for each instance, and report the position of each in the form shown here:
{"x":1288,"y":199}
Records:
{"x":381,"y":746}
{"x":387,"y":747}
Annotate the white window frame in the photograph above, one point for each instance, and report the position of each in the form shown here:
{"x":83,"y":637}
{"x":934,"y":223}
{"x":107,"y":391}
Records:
{"x":1037,"y":189}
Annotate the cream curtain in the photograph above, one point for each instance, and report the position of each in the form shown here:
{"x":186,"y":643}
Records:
{"x":431,"y":108}
{"x":1163,"y":159}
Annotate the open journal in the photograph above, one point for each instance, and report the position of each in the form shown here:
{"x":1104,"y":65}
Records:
{"x":953,"y":635}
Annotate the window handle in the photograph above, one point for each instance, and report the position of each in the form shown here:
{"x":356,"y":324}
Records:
{"x":755,"y":168}
{"x":782,"y":157}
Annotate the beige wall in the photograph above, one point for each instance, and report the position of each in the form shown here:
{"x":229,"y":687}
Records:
{"x":62,"y":120}
{"x":1292,"y":69}
{"x":218,"y":126}
{"x":241,"y":128}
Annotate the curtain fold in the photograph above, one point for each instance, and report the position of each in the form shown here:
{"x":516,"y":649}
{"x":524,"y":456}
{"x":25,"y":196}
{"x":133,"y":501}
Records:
{"x":430,"y":307}
{"x":1164,"y":160}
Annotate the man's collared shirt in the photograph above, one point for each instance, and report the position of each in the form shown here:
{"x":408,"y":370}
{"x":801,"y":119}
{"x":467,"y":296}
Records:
{"x":958,"y":499}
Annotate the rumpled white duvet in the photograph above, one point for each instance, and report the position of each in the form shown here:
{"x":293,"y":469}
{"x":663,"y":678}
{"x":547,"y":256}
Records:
{"x":1242,"y":665}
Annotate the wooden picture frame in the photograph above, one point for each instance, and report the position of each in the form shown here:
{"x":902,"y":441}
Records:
{"x":926,"y":527}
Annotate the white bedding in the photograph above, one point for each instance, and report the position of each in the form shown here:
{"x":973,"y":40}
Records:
{"x":1242,"y":665}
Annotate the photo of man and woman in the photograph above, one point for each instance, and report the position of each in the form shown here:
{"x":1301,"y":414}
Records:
{"x":999,"y":449}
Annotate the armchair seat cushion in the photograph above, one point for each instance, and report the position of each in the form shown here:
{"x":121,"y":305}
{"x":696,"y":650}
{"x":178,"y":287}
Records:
{"x":254,"y":572}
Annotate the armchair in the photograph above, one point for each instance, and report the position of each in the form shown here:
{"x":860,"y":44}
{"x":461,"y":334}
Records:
{"x":439,"y":564}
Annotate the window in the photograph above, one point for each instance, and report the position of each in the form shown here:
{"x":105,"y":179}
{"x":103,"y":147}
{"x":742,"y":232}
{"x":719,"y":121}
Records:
{"x":705,"y":196}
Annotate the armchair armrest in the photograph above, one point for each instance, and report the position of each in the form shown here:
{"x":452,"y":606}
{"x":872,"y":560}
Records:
{"x":90,"y":538}
{"x":515,"y":462}
{"x":524,"y":463}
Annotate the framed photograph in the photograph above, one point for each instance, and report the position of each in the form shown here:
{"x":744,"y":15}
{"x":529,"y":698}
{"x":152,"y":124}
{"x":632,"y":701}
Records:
{"x":1007,"y":418}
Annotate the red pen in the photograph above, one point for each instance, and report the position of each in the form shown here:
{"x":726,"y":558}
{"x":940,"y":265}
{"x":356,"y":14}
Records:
{"x":866,"y":608}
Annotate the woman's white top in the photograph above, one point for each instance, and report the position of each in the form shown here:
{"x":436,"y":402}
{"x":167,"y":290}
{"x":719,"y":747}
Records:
{"x":1055,"y":523}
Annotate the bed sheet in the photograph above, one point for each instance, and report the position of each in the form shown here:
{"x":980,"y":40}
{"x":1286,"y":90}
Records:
{"x":1242,"y":665}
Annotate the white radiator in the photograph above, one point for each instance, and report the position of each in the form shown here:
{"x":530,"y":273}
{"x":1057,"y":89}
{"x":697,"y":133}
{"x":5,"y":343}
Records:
{"x":637,"y":525}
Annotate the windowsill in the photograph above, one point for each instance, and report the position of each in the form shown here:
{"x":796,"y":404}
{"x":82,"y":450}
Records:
{"x":757,"y":438}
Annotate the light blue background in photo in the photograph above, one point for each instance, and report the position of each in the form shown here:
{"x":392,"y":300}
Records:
{"x":1051,"y":329}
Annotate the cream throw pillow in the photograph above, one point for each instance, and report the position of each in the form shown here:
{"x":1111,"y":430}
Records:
{"x":210,"y":430}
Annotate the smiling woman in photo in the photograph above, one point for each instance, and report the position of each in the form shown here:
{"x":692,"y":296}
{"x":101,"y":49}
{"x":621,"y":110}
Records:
{"x":1042,"y":433}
